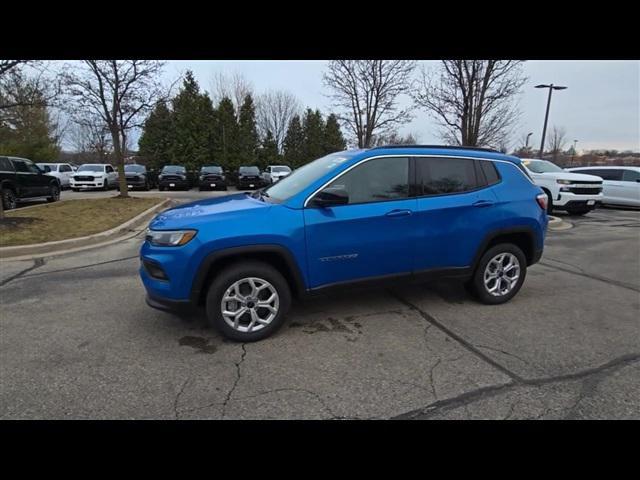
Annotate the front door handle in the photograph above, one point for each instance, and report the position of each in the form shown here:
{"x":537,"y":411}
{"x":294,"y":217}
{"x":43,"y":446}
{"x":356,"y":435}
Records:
{"x":483,"y":203}
{"x":399,"y":213}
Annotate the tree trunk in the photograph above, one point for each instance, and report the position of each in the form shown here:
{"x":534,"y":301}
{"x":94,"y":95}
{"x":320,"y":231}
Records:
{"x":119,"y":160}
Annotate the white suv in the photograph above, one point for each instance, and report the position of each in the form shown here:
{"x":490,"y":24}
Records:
{"x":621,"y":185}
{"x":62,"y":171}
{"x":273,"y":173}
{"x":94,"y":175}
{"x":573,"y":192}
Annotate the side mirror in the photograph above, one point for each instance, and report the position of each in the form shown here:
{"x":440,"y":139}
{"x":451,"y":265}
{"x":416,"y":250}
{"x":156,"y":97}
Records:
{"x":330,"y":197}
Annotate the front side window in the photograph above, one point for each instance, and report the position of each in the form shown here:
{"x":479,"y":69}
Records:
{"x":65,"y":168}
{"x":109,"y":169}
{"x":443,"y":175}
{"x":376,"y":180}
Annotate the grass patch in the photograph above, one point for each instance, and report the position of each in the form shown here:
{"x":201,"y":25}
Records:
{"x":69,"y":219}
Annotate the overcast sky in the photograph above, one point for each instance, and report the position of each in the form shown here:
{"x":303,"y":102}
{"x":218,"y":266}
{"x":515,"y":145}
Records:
{"x":600,"y":108}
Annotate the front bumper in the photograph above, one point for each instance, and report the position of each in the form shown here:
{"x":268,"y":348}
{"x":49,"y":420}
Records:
{"x":174,"y":184}
{"x":169,"y":305}
{"x":569,"y":199}
{"x":251,"y":183}
{"x":211,"y":183}
{"x":86,"y":184}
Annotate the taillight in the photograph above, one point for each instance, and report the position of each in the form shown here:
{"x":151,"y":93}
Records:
{"x":543,"y":201}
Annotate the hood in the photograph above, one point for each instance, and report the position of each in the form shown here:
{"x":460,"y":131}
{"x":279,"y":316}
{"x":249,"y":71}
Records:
{"x":192,"y":214}
{"x":569,"y":176}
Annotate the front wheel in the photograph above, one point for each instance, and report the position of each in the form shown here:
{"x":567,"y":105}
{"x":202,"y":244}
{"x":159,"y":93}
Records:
{"x":248,"y":301}
{"x":106,"y":185}
{"x":499,"y":274}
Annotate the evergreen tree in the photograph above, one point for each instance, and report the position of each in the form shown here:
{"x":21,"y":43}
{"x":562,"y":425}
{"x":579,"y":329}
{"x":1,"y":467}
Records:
{"x":226,"y":135}
{"x":313,"y":132}
{"x":293,"y":143}
{"x":156,"y":141}
{"x":27,"y":131}
{"x":268,"y":153}
{"x":248,"y":140}
{"x":193,"y":117}
{"x":333,"y":139}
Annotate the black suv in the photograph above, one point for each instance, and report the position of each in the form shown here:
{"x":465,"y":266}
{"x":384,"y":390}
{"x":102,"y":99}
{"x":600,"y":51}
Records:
{"x":173,"y":176}
{"x":137,"y":177}
{"x":212,"y":177}
{"x":249,"y":177}
{"x":22,"y":179}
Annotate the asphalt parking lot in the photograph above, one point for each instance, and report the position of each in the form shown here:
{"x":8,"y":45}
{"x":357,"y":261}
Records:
{"x":78,"y":341}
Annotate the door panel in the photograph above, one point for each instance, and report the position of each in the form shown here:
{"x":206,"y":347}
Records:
{"x":373,"y":235}
{"x":454,"y":212}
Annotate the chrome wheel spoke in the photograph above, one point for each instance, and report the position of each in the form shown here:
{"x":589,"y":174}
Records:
{"x":501,"y":274}
{"x":235,"y":305}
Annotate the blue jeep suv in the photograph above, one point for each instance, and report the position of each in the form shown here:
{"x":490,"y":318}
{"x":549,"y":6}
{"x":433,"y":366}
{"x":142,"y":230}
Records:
{"x":363,"y":216}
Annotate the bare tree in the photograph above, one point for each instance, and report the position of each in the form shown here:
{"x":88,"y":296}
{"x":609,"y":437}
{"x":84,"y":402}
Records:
{"x":275,"y":109}
{"x":26,"y":83}
{"x":394,"y":138}
{"x":120,"y":93}
{"x":556,"y":141}
{"x":90,"y":138}
{"x":234,"y":86}
{"x":473,"y":100}
{"x":367,"y":92}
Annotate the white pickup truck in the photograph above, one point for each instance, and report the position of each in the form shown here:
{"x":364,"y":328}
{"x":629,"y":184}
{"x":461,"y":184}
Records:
{"x":575,"y":193}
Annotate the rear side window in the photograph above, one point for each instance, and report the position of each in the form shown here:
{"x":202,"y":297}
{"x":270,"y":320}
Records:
{"x":442,"y":175}
{"x":630,"y":176}
{"x":21,"y":166}
{"x":376,"y":180}
{"x":489,"y":171}
{"x":5,"y":165}
{"x":605,"y":173}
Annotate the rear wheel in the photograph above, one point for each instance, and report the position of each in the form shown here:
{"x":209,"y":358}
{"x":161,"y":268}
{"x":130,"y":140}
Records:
{"x":54,"y":194}
{"x":248,"y":301}
{"x":499,"y":274}
{"x":9,"y":199}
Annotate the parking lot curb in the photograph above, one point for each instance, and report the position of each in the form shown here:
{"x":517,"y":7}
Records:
{"x":25,"y":252}
{"x":557,"y":224}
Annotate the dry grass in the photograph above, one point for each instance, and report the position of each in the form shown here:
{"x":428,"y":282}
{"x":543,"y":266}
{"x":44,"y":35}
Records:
{"x":70,"y":219}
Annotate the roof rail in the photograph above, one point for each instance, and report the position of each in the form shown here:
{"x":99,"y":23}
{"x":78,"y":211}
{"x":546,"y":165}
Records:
{"x":446,"y":147}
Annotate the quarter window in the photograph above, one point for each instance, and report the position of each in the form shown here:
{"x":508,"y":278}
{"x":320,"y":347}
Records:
{"x":630,"y":176}
{"x":443,"y":175}
{"x":376,"y":180}
{"x":489,"y":171}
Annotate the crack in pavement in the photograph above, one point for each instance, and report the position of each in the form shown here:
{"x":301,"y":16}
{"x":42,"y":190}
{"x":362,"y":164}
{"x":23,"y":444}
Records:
{"x":81,"y":267}
{"x":433,"y":388}
{"x":235,"y":383}
{"x":610,"y":281}
{"x":459,"y":339}
{"x":37,"y":263}
{"x":505,"y":353}
{"x":467,"y":398}
{"x":175,"y":401}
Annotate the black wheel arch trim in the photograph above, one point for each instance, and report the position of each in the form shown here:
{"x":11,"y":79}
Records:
{"x":202,"y":274}
{"x":535,"y":254}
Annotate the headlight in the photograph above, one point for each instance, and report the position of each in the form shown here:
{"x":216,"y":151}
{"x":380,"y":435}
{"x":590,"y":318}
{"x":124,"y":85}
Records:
{"x":564,"y":182}
{"x":169,"y":238}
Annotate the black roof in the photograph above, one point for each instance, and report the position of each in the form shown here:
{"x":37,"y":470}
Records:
{"x":445,"y":147}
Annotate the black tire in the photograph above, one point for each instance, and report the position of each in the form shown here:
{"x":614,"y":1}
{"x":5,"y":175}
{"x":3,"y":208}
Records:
{"x":477,"y":282}
{"x":105,"y":187}
{"x":9,"y":199}
{"x":146,"y":186}
{"x":75,"y":189}
{"x":224,"y":188}
{"x":161,"y":189}
{"x":549,"y":201}
{"x":232,"y":274}
{"x":54,"y":194}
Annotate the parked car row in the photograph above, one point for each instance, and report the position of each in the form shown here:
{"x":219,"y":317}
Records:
{"x":21,"y":179}
{"x":581,"y":189}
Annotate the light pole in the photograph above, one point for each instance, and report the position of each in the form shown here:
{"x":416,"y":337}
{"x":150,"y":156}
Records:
{"x":551,"y":88}
{"x":526,"y":142}
{"x":573,"y":153}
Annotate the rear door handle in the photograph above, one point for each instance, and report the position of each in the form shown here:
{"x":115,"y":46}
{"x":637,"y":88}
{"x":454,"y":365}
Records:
{"x":399,"y":213}
{"x":483,"y":203}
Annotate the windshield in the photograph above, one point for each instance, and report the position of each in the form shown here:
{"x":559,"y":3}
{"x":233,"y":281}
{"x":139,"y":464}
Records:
{"x":173,"y":169}
{"x":134,"y":168}
{"x":302,"y":177}
{"x":211,"y":170}
{"x":91,"y":168}
{"x":280,"y":169}
{"x":541,"y":166}
{"x":249,"y":170}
